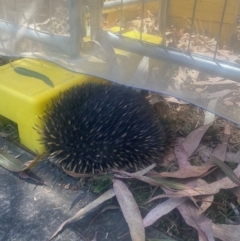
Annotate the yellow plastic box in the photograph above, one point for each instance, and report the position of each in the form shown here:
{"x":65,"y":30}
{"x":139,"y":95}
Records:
{"x":24,"y":98}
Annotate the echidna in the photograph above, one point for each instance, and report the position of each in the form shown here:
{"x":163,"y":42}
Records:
{"x":97,"y":126}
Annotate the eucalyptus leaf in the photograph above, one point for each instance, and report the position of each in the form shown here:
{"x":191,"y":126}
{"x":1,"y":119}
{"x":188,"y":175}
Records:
{"x":130,"y":210}
{"x":33,"y":74}
{"x":9,"y":162}
{"x":161,"y":239}
{"x":82,"y":213}
{"x":170,"y":184}
{"x":226,"y":169}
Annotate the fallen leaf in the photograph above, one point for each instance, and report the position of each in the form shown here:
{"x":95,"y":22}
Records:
{"x":173,"y":185}
{"x":162,"y":209}
{"x":206,"y":200}
{"x":156,"y":181}
{"x":192,"y":215}
{"x":209,"y":117}
{"x":109,"y":207}
{"x":182,"y":156}
{"x":145,"y":170}
{"x":205,"y":153}
{"x":154,"y":98}
{"x":130,"y":210}
{"x":212,"y":188}
{"x":233,"y":157}
{"x":192,"y":141}
{"x":197,"y":220}
{"x":189,"y":171}
{"x":34,"y":74}
{"x":76,"y":175}
{"x":228,"y":103}
{"x":218,"y":94}
{"x":226,"y":232}
{"x":221,"y":149}
{"x":4,"y":134}
{"x":9,"y":162}
{"x":226,"y":169}
{"x":175,"y":100}
{"x":138,"y":173}
{"x":81,"y":213}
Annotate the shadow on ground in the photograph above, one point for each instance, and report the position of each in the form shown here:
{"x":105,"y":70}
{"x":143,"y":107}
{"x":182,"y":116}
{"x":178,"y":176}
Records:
{"x":33,"y":212}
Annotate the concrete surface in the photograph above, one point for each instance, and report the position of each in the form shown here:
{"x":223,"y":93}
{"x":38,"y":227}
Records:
{"x":30,"y":212}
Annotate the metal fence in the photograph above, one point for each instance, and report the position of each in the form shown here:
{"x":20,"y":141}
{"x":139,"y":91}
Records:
{"x":134,"y":42}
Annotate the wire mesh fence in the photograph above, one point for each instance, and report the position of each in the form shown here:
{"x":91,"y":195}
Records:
{"x":184,"y":48}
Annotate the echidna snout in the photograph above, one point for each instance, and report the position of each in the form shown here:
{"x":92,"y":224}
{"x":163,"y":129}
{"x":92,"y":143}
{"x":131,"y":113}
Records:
{"x":94,"y":127}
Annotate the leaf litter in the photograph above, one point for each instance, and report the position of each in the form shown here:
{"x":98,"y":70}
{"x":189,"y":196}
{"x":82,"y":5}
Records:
{"x":183,"y":185}
{"x":192,"y":200}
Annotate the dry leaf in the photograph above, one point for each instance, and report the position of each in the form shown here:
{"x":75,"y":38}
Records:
{"x":130,"y":210}
{"x":189,"y":171}
{"x":201,"y":223}
{"x":209,"y":116}
{"x":135,"y":174}
{"x":226,"y":232}
{"x":154,"y":98}
{"x":190,"y":213}
{"x":205,"y":153}
{"x":76,"y":175}
{"x":4,"y":134}
{"x":233,"y":157}
{"x":218,"y":94}
{"x":226,"y":169}
{"x":81,"y":213}
{"x":162,"y":209}
{"x":182,"y":156}
{"x":228,"y":103}
{"x":175,"y":100}
{"x":9,"y":162}
{"x":109,"y":207}
{"x":145,"y":170}
{"x":158,"y":182}
{"x":206,"y":200}
{"x":221,"y":149}
{"x":212,"y":188}
{"x":192,"y":141}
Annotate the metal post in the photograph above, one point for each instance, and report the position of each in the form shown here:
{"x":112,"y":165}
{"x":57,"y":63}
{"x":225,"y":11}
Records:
{"x":142,"y":17}
{"x":121,"y":17}
{"x":162,"y":17}
{"x":95,"y":7}
{"x":75,"y":23}
{"x":220,"y":29}
{"x":192,"y":24}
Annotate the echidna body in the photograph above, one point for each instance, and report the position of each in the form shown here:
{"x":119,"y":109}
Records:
{"x":94,"y":127}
